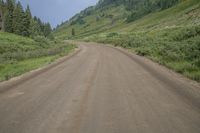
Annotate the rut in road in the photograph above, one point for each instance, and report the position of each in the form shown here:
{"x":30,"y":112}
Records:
{"x":102,"y":90}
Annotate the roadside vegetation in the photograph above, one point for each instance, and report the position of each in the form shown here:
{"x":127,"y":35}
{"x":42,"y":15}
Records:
{"x":26,"y":43}
{"x":176,"y":48}
{"x":166,"y":31}
{"x":21,"y":54}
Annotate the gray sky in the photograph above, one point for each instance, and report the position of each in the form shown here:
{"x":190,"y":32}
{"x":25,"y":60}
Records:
{"x":56,"y":11}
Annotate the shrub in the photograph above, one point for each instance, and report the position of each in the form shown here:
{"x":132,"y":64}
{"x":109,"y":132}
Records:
{"x":186,"y":33}
{"x":177,"y":48}
{"x":113,"y":34}
{"x":43,"y":42}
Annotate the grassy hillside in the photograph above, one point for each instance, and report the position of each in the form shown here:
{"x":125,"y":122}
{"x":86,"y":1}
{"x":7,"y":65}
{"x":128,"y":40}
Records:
{"x":169,"y":36}
{"x":93,"y":21}
{"x":112,"y":18}
{"x":20,"y":54}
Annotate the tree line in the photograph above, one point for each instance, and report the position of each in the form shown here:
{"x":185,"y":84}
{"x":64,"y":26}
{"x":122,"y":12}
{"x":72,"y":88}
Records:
{"x":133,"y":4}
{"x":139,"y":8}
{"x":149,"y":5}
{"x":20,"y":21}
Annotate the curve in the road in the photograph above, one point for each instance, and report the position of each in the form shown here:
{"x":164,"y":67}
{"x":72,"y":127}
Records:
{"x":102,"y":90}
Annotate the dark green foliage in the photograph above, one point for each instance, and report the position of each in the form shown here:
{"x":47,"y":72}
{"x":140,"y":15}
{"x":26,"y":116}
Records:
{"x":139,"y":8}
{"x":2,"y":11}
{"x":164,"y":4}
{"x":8,"y":22}
{"x":136,"y":4}
{"x":47,"y":29}
{"x":73,"y":32}
{"x":17,"y":19}
{"x":20,"y":21}
{"x":41,"y":28}
{"x":78,"y":20}
{"x":27,"y":22}
{"x":149,"y":5}
{"x":103,"y":3}
{"x":113,"y":34}
{"x":10,"y":5}
{"x":187,"y":33}
{"x":88,"y":11}
{"x":43,"y":42}
{"x":35,"y":29}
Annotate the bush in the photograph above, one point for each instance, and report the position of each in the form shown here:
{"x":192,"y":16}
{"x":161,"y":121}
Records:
{"x":177,"y":48}
{"x":186,"y":33}
{"x":97,"y":18}
{"x":113,"y":34}
{"x":143,"y":51}
{"x":43,"y":42}
{"x":51,"y":37}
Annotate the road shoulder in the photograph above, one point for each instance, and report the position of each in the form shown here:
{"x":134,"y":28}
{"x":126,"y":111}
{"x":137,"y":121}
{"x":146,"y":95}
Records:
{"x":15,"y":81}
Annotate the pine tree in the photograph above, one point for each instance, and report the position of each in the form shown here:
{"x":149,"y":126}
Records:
{"x":40,"y":24}
{"x":9,"y":15}
{"x":35,"y":29}
{"x":47,"y":29}
{"x":27,"y":20}
{"x":1,"y":14}
{"x":73,"y":32}
{"x":20,"y":22}
{"x":17,"y":19}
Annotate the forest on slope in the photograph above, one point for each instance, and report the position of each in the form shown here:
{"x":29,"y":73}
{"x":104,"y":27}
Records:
{"x":21,"y":22}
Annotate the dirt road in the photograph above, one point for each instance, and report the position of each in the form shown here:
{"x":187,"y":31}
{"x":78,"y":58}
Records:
{"x":102,"y":90}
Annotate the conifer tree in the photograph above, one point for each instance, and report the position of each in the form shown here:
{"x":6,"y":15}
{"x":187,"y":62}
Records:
{"x":20,"y":22}
{"x":47,"y":29}
{"x":35,"y":29}
{"x":17,"y":19}
{"x":27,"y":20}
{"x":73,"y":32}
{"x":9,"y":15}
{"x":41,"y":25}
{"x":1,"y":15}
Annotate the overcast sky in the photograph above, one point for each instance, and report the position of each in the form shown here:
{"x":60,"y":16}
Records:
{"x":57,"y":11}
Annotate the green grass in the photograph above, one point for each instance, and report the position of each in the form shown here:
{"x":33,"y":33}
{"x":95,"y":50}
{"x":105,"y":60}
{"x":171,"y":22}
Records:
{"x":19,"y":54}
{"x":185,"y":13}
{"x":170,"y":37}
{"x":92,"y":26}
{"x":176,"y":48}
{"x":11,"y":43}
{"x":10,"y":70}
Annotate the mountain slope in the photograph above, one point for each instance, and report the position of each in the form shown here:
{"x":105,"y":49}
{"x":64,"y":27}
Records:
{"x":113,"y":17}
{"x":91,"y":20}
{"x":169,"y":36}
